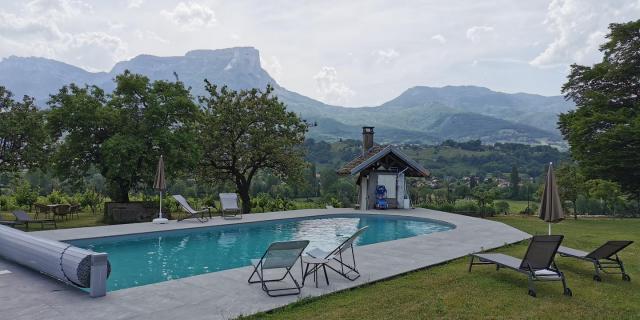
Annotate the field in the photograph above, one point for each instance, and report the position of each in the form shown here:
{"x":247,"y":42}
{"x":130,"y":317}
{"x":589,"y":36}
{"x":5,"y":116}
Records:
{"x":449,"y":291}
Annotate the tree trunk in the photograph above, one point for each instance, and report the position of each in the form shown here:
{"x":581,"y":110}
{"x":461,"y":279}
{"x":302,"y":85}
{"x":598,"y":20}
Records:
{"x":575,"y":210}
{"x":119,"y":192}
{"x":245,"y":197}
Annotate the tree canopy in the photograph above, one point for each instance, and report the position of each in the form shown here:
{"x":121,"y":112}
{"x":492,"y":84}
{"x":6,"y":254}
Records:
{"x":124,"y":133}
{"x":244,"y":132}
{"x":22,"y":134}
{"x":604,"y":131}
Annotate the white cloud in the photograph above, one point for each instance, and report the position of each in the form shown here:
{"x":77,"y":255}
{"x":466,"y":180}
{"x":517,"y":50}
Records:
{"x":191,"y":15}
{"x":273,"y":66}
{"x":88,"y":47}
{"x":135,"y":4}
{"x":150,"y":35}
{"x":474,"y":33}
{"x":579,"y":27}
{"x":329,"y":87}
{"x":56,"y":9}
{"x":440,"y":38}
{"x":386,"y":56}
{"x":38,"y":31}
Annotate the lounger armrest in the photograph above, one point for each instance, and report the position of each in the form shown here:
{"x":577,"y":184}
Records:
{"x":545,"y":273}
{"x":317,"y":253}
{"x":565,"y":251}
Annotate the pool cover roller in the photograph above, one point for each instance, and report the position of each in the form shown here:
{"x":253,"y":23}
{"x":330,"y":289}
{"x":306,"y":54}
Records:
{"x":72,"y":265}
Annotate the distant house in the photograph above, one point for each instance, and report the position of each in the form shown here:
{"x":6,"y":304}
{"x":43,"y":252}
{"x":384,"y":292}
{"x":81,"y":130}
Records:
{"x":381,"y":165}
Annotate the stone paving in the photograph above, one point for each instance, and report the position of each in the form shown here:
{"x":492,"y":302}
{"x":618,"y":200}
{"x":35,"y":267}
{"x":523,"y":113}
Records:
{"x":25,"y":294}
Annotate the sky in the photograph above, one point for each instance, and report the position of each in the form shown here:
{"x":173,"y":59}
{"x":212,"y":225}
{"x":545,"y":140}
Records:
{"x":350,"y":53}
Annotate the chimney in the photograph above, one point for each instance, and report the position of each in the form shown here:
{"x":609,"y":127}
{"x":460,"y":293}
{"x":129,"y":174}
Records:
{"x":367,"y":139}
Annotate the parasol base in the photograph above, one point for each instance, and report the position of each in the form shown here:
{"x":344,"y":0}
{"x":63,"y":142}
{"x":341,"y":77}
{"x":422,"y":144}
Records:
{"x":160,"y":220}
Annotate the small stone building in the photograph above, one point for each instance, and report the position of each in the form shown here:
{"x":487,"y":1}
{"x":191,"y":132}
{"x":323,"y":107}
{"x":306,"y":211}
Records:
{"x":381,"y":165}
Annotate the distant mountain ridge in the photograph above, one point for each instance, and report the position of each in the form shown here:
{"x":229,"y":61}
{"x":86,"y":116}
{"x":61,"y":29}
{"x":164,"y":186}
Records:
{"x":419,"y":115}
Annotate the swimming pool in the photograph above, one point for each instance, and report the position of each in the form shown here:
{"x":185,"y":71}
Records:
{"x":147,"y":258}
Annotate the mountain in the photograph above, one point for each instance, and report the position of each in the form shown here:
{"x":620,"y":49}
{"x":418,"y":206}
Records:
{"x":418,"y":115}
{"x":534,"y":110}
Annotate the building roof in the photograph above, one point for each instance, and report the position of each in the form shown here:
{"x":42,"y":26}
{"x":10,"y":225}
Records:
{"x":378,"y":155}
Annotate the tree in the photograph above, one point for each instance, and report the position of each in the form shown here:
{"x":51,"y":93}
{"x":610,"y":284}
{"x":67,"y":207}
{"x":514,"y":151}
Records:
{"x":313,"y":181}
{"x":484,"y":195}
{"x":570,"y":184}
{"x":247,"y":131}
{"x":123,"y":134}
{"x":603,"y":131}
{"x":22,"y":134}
{"x":515,"y":182}
{"x":606,"y":191}
{"x":473,"y":182}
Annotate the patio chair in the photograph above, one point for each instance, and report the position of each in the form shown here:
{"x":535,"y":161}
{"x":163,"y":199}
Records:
{"x":229,"y":205}
{"x":346,"y":269}
{"x":43,"y":209}
{"x":603,"y":257}
{"x":191,"y":212}
{"x":23,"y":218}
{"x":538,"y":262}
{"x":62,"y":211}
{"x":74,"y":209}
{"x":282,"y":256}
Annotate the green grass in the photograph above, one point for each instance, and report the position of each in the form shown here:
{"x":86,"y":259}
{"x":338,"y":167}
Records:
{"x":516,"y":206}
{"x":449,"y":291}
{"x":86,"y":219}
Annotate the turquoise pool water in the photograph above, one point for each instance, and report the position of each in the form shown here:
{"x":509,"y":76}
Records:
{"x":142,"y":259}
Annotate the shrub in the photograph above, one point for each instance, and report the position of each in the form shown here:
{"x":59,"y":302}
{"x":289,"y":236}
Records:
{"x":91,"y":198}
{"x":4,"y":202}
{"x":501,"y":207}
{"x":26,"y":195}
{"x":334,"y":202}
{"x":261,"y":201}
{"x":56,"y":197}
{"x":466,"y":206}
{"x":532,"y":209}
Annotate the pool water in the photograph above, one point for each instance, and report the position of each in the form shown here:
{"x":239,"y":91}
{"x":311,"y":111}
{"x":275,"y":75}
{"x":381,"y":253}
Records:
{"x":142,"y":259}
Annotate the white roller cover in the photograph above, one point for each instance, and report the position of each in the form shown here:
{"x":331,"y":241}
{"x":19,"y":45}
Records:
{"x":56,"y":259}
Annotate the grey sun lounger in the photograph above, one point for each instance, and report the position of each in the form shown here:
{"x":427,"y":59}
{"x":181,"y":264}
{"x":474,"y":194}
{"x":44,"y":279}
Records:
{"x":603,"y":257}
{"x":347,"y":270}
{"x":279,"y":256}
{"x":12,"y":224}
{"x":538,"y":262}
{"x":229,"y":205}
{"x":23,"y":218}
{"x":191,"y":212}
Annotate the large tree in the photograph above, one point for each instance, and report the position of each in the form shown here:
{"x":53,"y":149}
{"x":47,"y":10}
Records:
{"x":604,"y":131}
{"x":244,"y":132}
{"x":124,"y":133}
{"x":22,"y":134}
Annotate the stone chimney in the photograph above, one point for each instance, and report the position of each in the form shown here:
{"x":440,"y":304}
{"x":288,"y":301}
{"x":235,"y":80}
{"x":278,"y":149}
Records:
{"x":367,"y":139}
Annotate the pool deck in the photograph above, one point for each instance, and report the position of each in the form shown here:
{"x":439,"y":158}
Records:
{"x":25,"y":294}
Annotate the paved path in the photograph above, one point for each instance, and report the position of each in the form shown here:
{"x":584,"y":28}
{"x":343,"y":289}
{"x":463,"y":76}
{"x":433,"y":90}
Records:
{"x":25,"y":294}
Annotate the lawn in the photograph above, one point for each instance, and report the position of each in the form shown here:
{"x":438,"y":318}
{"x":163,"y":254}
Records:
{"x":449,"y":291}
{"x":517,"y":206}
